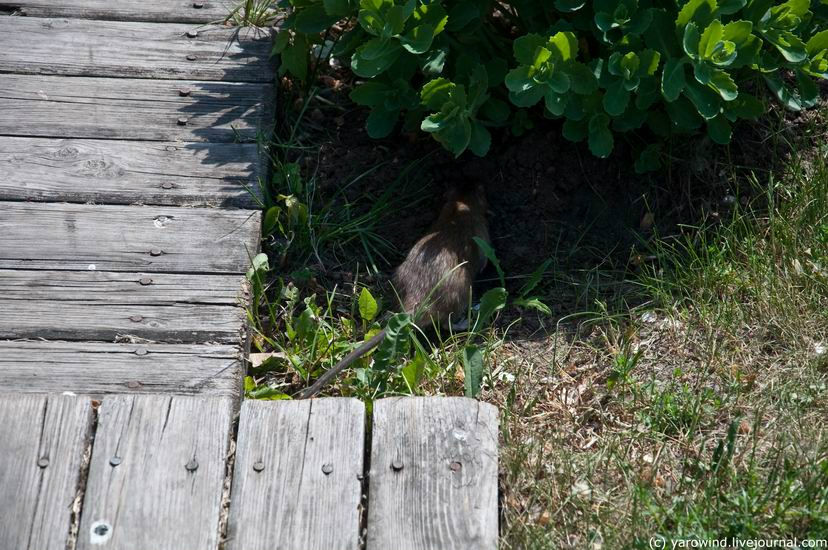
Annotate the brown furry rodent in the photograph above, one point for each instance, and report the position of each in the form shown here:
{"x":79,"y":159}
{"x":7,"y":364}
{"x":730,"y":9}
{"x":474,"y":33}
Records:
{"x":429,"y":282}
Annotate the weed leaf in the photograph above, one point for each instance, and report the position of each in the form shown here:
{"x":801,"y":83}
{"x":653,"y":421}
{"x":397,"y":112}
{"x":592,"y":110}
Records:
{"x":367,"y":305}
{"x":489,"y":252}
{"x":473,"y":370}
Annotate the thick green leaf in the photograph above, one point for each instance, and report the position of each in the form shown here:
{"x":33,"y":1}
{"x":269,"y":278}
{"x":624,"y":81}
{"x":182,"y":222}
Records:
{"x":616,"y":98}
{"x":436,"y":93}
{"x":533,"y":303}
{"x":490,"y":303}
{"x":396,"y":340}
{"x":526,"y":46}
{"x":705,"y":100}
{"x":672,"y":79}
{"x":370,"y":93}
{"x":313,"y":19}
{"x":534,"y":278}
{"x":601,"y":141}
{"x":481,"y":139}
{"x":338,"y":8}
{"x":721,"y":82}
{"x":581,"y":78}
{"x":719,"y":130}
{"x":375,"y":57}
{"x":700,"y":11}
{"x":473,"y":370}
{"x":295,"y":58}
{"x":788,"y":97}
{"x":367,"y":305}
{"x":788,"y":44}
{"x":649,"y":160}
{"x":567,"y":6}
{"x":418,"y":40}
{"x":817,"y":43}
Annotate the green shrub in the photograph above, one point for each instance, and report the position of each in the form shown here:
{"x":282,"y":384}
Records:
{"x":457,"y":68}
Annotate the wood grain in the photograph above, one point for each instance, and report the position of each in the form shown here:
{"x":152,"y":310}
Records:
{"x":433,"y":479}
{"x":126,"y":238}
{"x":42,"y":443}
{"x":28,"y":366}
{"x":130,"y":172}
{"x":134,"y":109}
{"x":161,"y":11}
{"x":108,"y":306}
{"x":157,"y":471}
{"x":78,"y":47}
{"x":298,"y":475}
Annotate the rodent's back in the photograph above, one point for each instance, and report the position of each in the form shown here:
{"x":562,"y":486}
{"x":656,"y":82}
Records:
{"x":436,"y":257}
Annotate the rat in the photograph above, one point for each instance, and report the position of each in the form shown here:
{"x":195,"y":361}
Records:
{"x":435,"y":279}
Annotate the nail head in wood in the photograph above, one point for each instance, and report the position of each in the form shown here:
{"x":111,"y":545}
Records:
{"x":198,"y":5}
{"x":192,"y":33}
{"x":115,"y":461}
{"x":455,"y":466}
{"x":397,"y":465}
{"x":156,"y":252}
{"x":327,"y":468}
{"x":145,"y":280}
{"x":258,"y":466}
{"x":192,"y":465}
{"x":133,"y":384}
{"x":191,"y":57}
{"x":42,"y":462}
{"x":184,"y":92}
{"x":141,"y":351}
{"x":167,"y":185}
{"x":136,"y":318}
{"x":182,"y":121}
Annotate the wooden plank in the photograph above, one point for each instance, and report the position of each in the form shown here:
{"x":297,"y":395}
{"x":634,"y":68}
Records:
{"x":96,"y":368}
{"x":126,"y":238}
{"x":161,"y":11}
{"x":127,"y":172}
{"x":157,"y":473}
{"x":78,"y":47}
{"x":298,"y":475}
{"x":100,"y":305}
{"x":433,"y":479}
{"x":42,"y":444}
{"x":135,"y":109}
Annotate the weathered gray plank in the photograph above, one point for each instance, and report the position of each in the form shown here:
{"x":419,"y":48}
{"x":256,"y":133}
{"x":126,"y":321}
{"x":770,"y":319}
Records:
{"x":102,"y":305}
{"x":298,"y":475}
{"x":433,"y":480}
{"x":126,"y":238}
{"x":128,"y":108}
{"x":98,"y":369}
{"x":127,"y":172}
{"x":157,"y":471}
{"x":162,"y":11}
{"x":78,"y":47}
{"x":42,"y":443}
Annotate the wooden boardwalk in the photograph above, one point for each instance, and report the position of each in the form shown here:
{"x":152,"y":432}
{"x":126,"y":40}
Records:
{"x":129,"y":175}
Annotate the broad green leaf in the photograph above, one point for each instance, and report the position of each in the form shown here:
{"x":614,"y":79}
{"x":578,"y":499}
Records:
{"x":690,"y":43}
{"x":436,"y":93}
{"x":705,"y":100}
{"x":649,"y":160}
{"x":413,"y":370}
{"x":582,"y":79}
{"x":722,"y":82}
{"x":490,"y":255}
{"x":745,"y":106}
{"x":700,"y":11}
{"x":788,"y":44}
{"x":473,"y":370}
{"x":600,"y":138}
{"x":490,"y":303}
{"x":566,"y":45}
{"x":396,"y":340}
{"x":567,"y":6}
{"x":367,"y":305}
{"x":281,"y":41}
{"x":817,"y":43}
{"x":649,"y":60}
{"x":738,"y":32}
{"x":528,"y":97}
{"x":728,"y":7}
{"x":683,"y":115}
{"x":419,"y":39}
{"x":375,"y":57}
{"x":295,"y":58}
{"x":271,"y":220}
{"x":672,"y":79}
{"x":463,"y":13}
{"x":719,"y":130}
{"x":616,"y":98}
{"x":313,"y":19}
{"x":481,"y":139}
{"x":369,"y":93}
{"x":338,"y":8}
{"x":518,"y":80}
{"x":808,"y":90}
{"x":525,"y":46}
{"x":575,"y":130}
{"x":788,"y":97}
{"x":380,"y":122}
{"x":495,"y":110}
{"x":259,"y":266}
{"x":711,"y":37}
